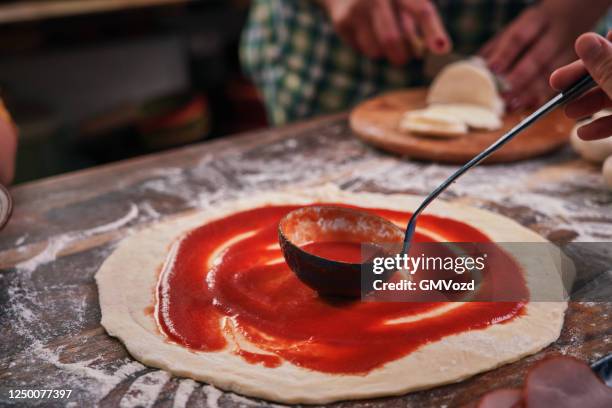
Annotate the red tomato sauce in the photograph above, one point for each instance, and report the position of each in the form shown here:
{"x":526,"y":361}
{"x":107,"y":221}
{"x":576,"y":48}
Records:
{"x":212,"y":296}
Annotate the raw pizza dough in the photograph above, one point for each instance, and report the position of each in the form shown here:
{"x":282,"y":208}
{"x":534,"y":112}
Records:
{"x":127,"y":282}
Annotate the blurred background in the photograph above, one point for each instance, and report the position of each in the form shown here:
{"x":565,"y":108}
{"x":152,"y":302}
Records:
{"x":95,"y":81}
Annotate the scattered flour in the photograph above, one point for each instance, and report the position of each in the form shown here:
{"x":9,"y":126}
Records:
{"x":104,"y":380}
{"x":572,"y":200}
{"x":144,"y":391}
{"x":232,"y":175}
{"x":58,"y":243}
{"x":212,"y":396}
{"x":183,"y":392}
{"x":148,"y":209}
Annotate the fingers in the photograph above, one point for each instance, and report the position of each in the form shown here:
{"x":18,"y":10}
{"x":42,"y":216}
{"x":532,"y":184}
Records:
{"x":344,"y":27}
{"x":565,"y":76}
{"x":430,"y":24}
{"x":535,"y":95}
{"x":380,"y":29}
{"x":487,"y":50}
{"x":397,"y":33}
{"x":366,"y":41}
{"x":388,"y":33}
{"x":535,"y":90}
{"x":588,"y":104}
{"x":598,"y":129}
{"x":412,"y":36}
{"x":518,"y":36}
{"x":596,"y":54}
{"x":533,"y":64}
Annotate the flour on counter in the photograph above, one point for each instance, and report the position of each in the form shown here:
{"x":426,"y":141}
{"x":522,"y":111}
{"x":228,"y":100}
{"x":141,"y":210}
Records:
{"x":581,"y":208}
{"x":56,"y":244}
{"x":183,"y":392}
{"x":574,"y":200}
{"x":144,"y":391}
{"x":213,"y":395}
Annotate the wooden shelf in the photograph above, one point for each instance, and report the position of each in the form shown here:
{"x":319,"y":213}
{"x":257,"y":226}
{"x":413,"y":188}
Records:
{"x":30,"y":10}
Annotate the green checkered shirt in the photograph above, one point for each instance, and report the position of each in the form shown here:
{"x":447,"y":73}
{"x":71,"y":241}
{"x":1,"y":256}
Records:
{"x":302,"y":68}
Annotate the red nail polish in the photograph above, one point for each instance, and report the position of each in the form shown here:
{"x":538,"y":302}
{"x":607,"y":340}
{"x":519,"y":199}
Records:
{"x":440,"y":43}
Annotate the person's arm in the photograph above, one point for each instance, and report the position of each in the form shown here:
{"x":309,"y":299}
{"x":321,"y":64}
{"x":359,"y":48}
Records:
{"x":540,"y":39}
{"x":8,"y":146}
{"x":397,"y":30}
{"x":595,"y":53}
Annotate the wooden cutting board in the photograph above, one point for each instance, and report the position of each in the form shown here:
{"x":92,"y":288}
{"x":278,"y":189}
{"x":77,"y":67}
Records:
{"x":376,"y":122}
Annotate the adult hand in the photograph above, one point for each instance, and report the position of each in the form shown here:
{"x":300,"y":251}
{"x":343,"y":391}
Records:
{"x":540,"y":39}
{"x":595,"y":53}
{"x":394,"y":29}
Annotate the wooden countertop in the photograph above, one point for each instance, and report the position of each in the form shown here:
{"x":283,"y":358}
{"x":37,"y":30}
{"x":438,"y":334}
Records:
{"x":64,"y":227}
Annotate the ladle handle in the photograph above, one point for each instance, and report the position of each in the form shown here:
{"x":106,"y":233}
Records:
{"x":578,"y":88}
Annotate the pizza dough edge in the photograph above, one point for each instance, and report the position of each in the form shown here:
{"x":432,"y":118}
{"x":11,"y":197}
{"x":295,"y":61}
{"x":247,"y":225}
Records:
{"x":124,"y":298}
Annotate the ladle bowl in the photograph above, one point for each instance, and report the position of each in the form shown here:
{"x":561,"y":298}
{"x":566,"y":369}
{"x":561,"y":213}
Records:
{"x":376,"y":236}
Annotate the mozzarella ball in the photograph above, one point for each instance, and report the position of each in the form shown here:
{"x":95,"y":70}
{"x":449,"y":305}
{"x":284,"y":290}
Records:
{"x":592,"y":150}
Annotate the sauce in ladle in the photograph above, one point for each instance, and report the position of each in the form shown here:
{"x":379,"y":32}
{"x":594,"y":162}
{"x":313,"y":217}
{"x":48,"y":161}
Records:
{"x":339,"y":251}
{"x":330,"y":267}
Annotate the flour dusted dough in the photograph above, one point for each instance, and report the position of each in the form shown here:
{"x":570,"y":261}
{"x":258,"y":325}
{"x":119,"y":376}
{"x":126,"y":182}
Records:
{"x":467,"y":82}
{"x":127,"y":281}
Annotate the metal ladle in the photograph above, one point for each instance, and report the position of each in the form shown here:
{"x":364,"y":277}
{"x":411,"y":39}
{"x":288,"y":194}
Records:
{"x":335,"y":224}
{"x":330,"y":277}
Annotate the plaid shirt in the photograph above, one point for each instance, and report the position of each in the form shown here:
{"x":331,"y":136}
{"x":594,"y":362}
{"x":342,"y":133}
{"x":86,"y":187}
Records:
{"x":302,"y":68}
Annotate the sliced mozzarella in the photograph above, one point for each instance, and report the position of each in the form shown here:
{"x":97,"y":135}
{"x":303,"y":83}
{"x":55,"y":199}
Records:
{"x":476,"y":117}
{"x":466,"y":82}
{"x":432,"y":124}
